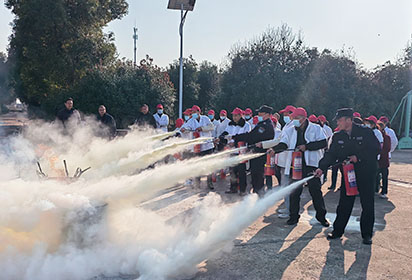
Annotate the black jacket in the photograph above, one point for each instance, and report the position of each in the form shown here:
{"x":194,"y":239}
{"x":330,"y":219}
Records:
{"x":263,"y":131}
{"x":362,"y":143}
{"x":145,"y":120}
{"x":63,"y":115}
{"x":109,"y":123}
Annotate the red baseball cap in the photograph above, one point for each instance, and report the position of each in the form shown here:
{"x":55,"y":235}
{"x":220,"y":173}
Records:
{"x":211,"y":112}
{"x":179,"y":123}
{"x":372,"y":119}
{"x":237,"y":111}
{"x":274,"y":120}
{"x":357,"y":115}
{"x":299,"y":112}
{"x":196,"y":108}
{"x":159,"y":106}
{"x":384,"y":119}
{"x":313,"y":118}
{"x":255,"y":120}
{"x":322,"y":118}
{"x":187,"y":112}
{"x":288,"y":108}
{"x":223,"y":112}
{"x":248,"y":111}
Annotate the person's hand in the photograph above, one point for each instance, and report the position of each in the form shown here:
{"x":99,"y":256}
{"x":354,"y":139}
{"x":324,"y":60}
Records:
{"x":216,"y":141}
{"x":259,"y":145}
{"x":271,"y":152}
{"x":302,"y":148}
{"x":318,"y":173}
{"x":199,"y":129}
{"x":231,"y":144}
{"x":353,"y":159}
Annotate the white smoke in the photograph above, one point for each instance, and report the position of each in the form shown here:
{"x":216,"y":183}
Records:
{"x":55,"y":229}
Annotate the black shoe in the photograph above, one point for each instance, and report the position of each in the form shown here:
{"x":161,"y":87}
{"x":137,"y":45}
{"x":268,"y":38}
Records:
{"x":324,"y":223}
{"x":367,"y":241}
{"x":243,"y":193}
{"x":332,"y":187}
{"x":292,"y":221}
{"x":333,"y":236}
{"x":230,"y":191}
{"x":210,"y":185}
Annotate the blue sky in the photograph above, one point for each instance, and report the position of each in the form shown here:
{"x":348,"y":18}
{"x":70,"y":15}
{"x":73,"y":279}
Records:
{"x":377,"y":30}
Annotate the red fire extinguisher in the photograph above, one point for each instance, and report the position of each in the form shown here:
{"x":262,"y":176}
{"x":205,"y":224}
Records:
{"x":297,"y":165}
{"x":350,"y":179}
{"x":197,"y":146}
{"x":270,"y":165}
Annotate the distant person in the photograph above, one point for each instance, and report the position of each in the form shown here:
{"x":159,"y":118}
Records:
{"x":144,"y":118}
{"x":383,"y":171}
{"x":68,"y":113}
{"x":108,"y":122}
{"x":162,"y":120}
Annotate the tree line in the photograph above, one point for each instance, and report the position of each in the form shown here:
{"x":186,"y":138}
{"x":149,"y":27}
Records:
{"x":58,"y":49}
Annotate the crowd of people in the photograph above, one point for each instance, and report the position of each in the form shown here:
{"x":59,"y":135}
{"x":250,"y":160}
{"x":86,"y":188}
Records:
{"x":295,"y":145}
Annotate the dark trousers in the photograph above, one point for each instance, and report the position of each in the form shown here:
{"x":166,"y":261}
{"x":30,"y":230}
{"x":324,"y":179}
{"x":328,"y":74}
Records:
{"x":384,"y":173}
{"x":209,"y":177}
{"x":335,"y":175}
{"x":257,"y":168}
{"x":238,"y":177}
{"x":269,"y":182}
{"x":278,"y":174}
{"x":365,"y":181}
{"x":315,"y":191}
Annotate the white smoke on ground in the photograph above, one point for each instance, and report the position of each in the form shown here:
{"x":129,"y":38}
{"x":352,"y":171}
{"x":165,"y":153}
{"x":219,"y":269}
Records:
{"x":51,"y":229}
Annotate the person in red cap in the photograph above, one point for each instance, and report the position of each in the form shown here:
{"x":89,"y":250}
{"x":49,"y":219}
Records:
{"x":371,"y":122}
{"x":310,"y":140}
{"x":357,"y":115}
{"x":211,"y":116}
{"x":204,"y":127}
{"x":179,"y":123}
{"x":162,"y":120}
{"x":389,"y":131}
{"x":238,"y":173}
{"x":144,"y":118}
{"x":383,"y":170}
{"x":325,"y":125}
{"x":249,"y":117}
{"x":313,"y":119}
{"x":222,"y":123}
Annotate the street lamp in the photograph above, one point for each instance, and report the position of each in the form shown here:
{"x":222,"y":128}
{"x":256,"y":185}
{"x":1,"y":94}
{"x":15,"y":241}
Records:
{"x":184,"y":6}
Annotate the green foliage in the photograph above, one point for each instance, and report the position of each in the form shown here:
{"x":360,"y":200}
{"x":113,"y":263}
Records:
{"x":5,"y":93}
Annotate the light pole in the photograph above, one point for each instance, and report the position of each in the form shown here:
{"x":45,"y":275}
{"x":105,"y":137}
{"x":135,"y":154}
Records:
{"x":184,"y":6}
{"x":135,"y":37}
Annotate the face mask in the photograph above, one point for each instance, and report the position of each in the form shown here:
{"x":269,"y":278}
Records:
{"x":222,"y":118}
{"x":160,"y":112}
{"x":247,"y":117}
{"x":211,"y":117}
{"x":296,"y":123}
{"x":368,"y":125}
{"x":260,"y":119}
{"x":187,"y":118}
{"x":286,"y":119}
{"x":195,"y":115}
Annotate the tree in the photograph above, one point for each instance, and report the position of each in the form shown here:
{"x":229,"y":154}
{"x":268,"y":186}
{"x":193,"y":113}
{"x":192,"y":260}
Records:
{"x":5,"y":93}
{"x":56,"y":42}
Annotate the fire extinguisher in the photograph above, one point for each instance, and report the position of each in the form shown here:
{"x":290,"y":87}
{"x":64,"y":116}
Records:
{"x":269,"y":165}
{"x":297,"y":165}
{"x":350,"y":179}
{"x":197,"y":146}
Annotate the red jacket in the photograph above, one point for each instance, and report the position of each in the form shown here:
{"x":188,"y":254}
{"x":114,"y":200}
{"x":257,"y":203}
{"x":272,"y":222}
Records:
{"x":386,"y":148}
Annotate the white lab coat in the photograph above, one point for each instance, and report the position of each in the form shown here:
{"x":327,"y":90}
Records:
{"x":328,"y":131}
{"x":394,"y":139}
{"x":207,"y":130}
{"x":221,"y":126}
{"x":237,"y":129}
{"x":313,"y":133}
{"x":215,"y":124}
{"x":162,"y":121}
{"x":281,"y":157}
{"x":250,"y":121}
{"x":378,"y":135}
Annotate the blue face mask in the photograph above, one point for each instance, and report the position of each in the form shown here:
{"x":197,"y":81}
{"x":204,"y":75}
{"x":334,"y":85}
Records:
{"x":222,"y":118}
{"x":260,"y":119}
{"x":211,"y":117}
{"x":247,"y":117}
{"x":286,"y":119}
{"x":160,"y":111}
{"x":195,"y":115}
{"x":187,"y":118}
{"x":296,"y":123}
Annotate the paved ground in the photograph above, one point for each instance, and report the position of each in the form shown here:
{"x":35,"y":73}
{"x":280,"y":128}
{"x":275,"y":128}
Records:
{"x":269,"y":249}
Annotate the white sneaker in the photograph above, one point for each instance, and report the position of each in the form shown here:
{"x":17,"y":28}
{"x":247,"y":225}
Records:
{"x":383,"y":196}
{"x":283,"y":211}
{"x":283,"y":216}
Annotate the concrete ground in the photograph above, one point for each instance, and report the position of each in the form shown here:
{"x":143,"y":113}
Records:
{"x":270,"y":249}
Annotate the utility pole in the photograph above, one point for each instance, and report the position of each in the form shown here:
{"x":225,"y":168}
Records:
{"x":135,"y":37}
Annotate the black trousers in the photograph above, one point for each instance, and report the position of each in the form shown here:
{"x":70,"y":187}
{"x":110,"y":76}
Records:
{"x":384,"y":172}
{"x":335,"y":175}
{"x":257,"y":168}
{"x":365,"y":180}
{"x":315,"y":191}
{"x":238,"y":177}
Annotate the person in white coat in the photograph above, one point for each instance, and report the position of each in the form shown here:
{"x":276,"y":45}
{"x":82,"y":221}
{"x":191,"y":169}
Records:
{"x":222,"y":123}
{"x":202,"y":125}
{"x":391,"y":133}
{"x":238,"y":173}
{"x":211,"y":116}
{"x":248,"y":114}
{"x":162,"y":120}
{"x":310,"y":139}
{"x":371,"y":122}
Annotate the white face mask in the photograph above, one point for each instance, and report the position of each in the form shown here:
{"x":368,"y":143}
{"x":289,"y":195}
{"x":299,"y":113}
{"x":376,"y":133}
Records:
{"x":368,"y":125}
{"x":286,"y":119}
{"x":187,"y":118}
{"x":160,"y":111}
{"x":222,"y":118}
{"x":296,"y":123}
{"x":247,"y":117}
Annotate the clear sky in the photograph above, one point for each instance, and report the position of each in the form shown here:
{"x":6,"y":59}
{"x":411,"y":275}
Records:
{"x":377,"y":30}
